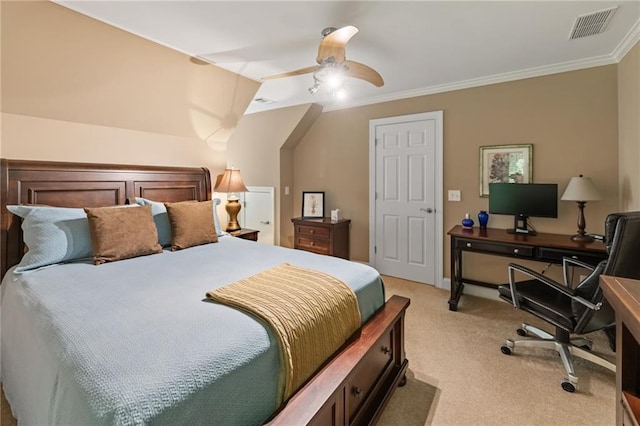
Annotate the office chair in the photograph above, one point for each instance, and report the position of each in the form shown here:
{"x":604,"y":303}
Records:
{"x":578,"y":310}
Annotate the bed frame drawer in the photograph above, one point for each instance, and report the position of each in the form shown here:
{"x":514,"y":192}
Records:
{"x":373,"y":367}
{"x":375,"y":363}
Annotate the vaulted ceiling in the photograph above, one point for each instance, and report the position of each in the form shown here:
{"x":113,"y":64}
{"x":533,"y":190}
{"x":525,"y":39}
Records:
{"x":417,"y":47}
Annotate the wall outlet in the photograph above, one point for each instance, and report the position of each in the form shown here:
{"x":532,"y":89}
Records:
{"x":454,"y":195}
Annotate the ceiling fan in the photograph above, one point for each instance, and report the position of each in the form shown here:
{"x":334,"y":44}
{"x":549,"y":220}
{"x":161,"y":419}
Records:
{"x":333,"y":66}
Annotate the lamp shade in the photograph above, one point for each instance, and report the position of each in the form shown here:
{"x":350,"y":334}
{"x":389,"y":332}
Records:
{"x":231,"y":181}
{"x":581,"y":189}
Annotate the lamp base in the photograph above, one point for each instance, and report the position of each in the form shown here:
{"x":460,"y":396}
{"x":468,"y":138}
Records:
{"x":233,"y":208}
{"x":582,"y":238}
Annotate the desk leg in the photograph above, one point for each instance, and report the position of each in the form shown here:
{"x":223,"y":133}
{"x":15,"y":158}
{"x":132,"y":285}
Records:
{"x":456,"y":277}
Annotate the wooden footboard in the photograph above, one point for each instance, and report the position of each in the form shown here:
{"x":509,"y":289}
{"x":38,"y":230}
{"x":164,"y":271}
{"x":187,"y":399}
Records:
{"x":355,"y":386}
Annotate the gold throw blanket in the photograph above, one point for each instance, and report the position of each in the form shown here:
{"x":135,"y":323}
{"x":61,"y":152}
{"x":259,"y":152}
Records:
{"x":311,"y":313}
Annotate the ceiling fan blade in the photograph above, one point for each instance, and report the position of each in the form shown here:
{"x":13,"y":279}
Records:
{"x":333,"y":44}
{"x":363,"y":72}
{"x":292,"y":73}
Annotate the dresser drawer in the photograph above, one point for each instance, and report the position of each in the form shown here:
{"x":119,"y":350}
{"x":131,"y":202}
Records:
{"x":322,"y":236}
{"x":556,"y":256}
{"x":313,"y":244}
{"x":376,"y":363}
{"x":516,"y":250}
{"x":313,"y":231}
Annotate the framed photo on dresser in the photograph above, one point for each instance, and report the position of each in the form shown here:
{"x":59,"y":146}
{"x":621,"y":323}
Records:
{"x":312,"y":204}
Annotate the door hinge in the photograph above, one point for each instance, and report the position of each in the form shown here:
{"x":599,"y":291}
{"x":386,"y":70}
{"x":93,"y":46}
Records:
{"x":375,"y":249}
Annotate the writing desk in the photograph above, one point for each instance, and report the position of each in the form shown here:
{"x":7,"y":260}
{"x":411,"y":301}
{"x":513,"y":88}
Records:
{"x":624,"y":296}
{"x":543,"y":247}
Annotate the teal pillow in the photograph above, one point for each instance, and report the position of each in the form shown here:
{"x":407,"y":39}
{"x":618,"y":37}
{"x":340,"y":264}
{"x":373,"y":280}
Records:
{"x":52,"y":235}
{"x":161,"y":218}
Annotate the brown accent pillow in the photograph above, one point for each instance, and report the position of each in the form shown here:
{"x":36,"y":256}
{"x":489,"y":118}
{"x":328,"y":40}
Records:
{"x":191,"y":224}
{"x":122,"y":232}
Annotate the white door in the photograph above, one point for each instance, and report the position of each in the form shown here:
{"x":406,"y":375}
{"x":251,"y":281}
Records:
{"x":407,"y":197}
{"x":258,"y":212}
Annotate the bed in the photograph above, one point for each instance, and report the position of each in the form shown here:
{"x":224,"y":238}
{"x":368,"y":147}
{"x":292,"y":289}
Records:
{"x":133,"y":341}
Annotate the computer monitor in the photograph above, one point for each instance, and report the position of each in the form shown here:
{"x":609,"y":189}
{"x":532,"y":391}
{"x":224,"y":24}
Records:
{"x":523,"y":200}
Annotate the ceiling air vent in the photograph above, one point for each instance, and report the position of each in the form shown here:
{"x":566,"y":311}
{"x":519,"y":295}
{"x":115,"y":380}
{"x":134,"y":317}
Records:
{"x":592,"y":23}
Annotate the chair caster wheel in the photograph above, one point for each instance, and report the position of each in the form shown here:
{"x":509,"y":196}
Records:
{"x":521,"y":332}
{"x":505,"y":350}
{"x":568,"y":386}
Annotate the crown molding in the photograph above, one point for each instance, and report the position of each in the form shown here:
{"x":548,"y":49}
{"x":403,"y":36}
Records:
{"x":483,"y":81}
{"x":627,"y":42}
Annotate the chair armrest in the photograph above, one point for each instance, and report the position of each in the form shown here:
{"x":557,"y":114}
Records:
{"x":513,"y":268}
{"x":567,"y":291}
{"x":588,"y":304}
{"x":567,"y":262}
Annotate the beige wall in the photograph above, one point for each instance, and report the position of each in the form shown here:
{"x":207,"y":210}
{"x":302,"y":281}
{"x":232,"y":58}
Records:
{"x":75,"y":89}
{"x":629,"y":129}
{"x":570,"y":118}
{"x":261,"y":148}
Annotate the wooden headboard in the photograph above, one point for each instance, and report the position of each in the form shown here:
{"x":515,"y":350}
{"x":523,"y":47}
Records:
{"x":86,"y":185}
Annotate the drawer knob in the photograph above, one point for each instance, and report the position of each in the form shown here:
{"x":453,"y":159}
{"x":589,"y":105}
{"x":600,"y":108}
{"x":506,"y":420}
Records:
{"x":356,"y":391}
{"x":385,"y":350}
{"x":312,"y":231}
{"x":574,"y":257}
{"x":312,"y":243}
{"x":468,"y":244}
{"x":515,"y":251}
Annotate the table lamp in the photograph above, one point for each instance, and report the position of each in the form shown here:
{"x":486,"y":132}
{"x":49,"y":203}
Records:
{"x":231,"y":182}
{"x":581,"y":189}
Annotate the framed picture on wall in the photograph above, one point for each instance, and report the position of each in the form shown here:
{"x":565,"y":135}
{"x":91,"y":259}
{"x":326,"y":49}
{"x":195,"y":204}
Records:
{"x":312,"y":204}
{"x":505,"y":164}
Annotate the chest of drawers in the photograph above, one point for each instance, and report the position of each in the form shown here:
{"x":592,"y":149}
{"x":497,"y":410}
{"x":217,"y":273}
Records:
{"x":322,"y":236}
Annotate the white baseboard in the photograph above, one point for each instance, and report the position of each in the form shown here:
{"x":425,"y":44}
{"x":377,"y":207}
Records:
{"x":473,"y":290}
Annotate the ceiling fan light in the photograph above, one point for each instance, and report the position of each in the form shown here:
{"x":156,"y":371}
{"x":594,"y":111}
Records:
{"x":335,"y":80}
{"x":340,"y":93}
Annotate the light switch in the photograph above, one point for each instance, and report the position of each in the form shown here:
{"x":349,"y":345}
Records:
{"x":454,"y":195}
{"x":286,"y":190}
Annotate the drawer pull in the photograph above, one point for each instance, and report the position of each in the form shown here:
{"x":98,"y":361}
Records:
{"x":385,"y":350}
{"x":515,"y":251}
{"x":468,"y":244}
{"x":312,"y":243}
{"x":574,"y":257}
{"x":312,"y":231}
{"x":356,"y":391}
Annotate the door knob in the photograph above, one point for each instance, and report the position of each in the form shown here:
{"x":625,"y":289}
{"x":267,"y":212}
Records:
{"x":428,"y":210}
{"x":264,"y":222}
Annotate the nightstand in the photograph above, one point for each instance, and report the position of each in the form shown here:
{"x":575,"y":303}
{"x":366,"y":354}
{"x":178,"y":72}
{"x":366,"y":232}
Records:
{"x":246,"y":234}
{"x":322,"y":236}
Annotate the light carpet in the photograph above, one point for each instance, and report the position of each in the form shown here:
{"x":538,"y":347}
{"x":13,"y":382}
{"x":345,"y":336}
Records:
{"x":458,"y":376}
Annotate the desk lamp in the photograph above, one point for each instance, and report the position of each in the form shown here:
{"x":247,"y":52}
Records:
{"x":581,"y":189}
{"x":231,"y":182}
